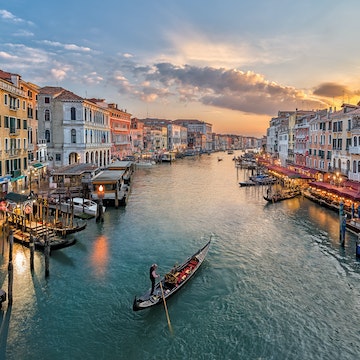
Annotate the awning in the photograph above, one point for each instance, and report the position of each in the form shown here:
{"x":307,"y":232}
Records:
{"x":17,"y":178}
{"x":287,"y":172}
{"x":18,"y":198}
{"x":338,"y":190}
{"x":38,"y":165}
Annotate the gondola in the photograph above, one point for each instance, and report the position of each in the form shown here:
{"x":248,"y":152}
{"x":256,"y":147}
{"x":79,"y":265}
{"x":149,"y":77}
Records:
{"x":281,"y":196}
{"x":172,"y":281}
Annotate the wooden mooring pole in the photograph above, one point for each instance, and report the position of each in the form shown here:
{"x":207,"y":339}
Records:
{"x":32,"y":250}
{"x":10,"y":268}
{"x":47,"y":256}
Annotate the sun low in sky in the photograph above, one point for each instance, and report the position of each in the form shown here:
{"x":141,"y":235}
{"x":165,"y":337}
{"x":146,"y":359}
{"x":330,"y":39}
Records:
{"x":232,"y":63}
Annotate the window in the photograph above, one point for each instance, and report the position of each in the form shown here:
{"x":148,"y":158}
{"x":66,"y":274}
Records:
{"x":24,"y":124}
{"x":47,"y":100}
{"x":354,"y":166}
{"x":47,"y":136}
{"x":47,"y":115}
{"x":339,"y":143}
{"x":30,"y":112}
{"x":12,"y":125}
{"x":355,"y":141}
{"x":58,"y":157}
{"x":73,"y":113}
{"x":18,"y":123}
{"x":5,"y":99}
{"x":73,"y":136}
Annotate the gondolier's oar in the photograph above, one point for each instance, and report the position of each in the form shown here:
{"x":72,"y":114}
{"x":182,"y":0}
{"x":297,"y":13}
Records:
{"x":166,"y":310}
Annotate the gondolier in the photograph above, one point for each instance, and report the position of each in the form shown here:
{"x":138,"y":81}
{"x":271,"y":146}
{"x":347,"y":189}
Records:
{"x":153,"y":276}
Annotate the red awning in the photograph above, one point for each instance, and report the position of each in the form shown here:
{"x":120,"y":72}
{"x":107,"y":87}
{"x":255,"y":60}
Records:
{"x":345,"y":192}
{"x":287,"y":172}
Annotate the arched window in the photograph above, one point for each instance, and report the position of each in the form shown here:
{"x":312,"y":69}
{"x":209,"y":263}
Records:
{"x":355,"y":141}
{"x":47,"y":115}
{"x":354,"y":166}
{"x":47,"y":136}
{"x":73,"y":136}
{"x":73,"y":113}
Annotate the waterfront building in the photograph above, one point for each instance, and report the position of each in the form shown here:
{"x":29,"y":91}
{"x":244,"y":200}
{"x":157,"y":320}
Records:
{"x":120,"y":121}
{"x":136,"y":135}
{"x":341,"y":138}
{"x":283,"y":136}
{"x":277,"y":124}
{"x":320,"y":143}
{"x":301,"y":144}
{"x":198,"y":128}
{"x":354,"y":148}
{"x":76,"y":130}
{"x":177,"y":137}
{"x":14,"y":133}
{"x":155,"y":138}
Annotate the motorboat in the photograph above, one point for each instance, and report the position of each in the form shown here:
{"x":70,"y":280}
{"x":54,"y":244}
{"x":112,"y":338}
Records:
{"x":79,"y":206}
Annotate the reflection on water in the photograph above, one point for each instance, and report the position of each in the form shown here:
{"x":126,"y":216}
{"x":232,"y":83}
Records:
{"x":100,"y":256}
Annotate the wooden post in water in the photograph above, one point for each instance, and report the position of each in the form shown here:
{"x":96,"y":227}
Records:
{"x":10,"y":268}
{"x":47,"y":256}
{"x":342,"y":218}
{"x":32,"y":250}
{"x":3,"y":239}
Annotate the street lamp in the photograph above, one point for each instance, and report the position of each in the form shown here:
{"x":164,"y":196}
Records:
{"x":100,"y":213}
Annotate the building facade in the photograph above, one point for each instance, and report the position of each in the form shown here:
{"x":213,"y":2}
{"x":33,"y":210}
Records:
{"x":75,"y":130}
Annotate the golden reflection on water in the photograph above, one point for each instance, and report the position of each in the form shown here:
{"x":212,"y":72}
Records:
{"x":20,"y":262}
{"x":100,"y":255}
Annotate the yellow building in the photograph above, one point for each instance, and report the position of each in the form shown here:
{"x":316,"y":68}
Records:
{"x":13,"y":133}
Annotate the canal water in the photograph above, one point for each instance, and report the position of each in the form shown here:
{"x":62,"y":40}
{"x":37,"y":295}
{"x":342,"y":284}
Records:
{"x":276,"y":283}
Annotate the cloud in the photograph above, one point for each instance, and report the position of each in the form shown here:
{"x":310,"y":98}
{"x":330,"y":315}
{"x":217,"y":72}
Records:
{"x":330,"y":90}
{"x":6,"y":56}
{"x":71,"y":47}
{"x":58,"y":74}
{"x":93,"y":78}
{"x":8,"y":16}
{"x":23,"y":33}
{"x":224,"y":88}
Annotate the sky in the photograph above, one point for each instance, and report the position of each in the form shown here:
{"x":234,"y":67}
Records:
{"x":231,"y":63}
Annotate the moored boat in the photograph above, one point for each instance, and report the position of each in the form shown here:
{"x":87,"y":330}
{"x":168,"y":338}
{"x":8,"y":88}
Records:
{"x":172,"y":281}
{"x":78,"y":206}
{"x":281,"y":195}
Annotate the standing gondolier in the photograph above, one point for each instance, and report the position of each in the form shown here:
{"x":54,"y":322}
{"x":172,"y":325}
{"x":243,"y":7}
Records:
{"x":153,"y":276}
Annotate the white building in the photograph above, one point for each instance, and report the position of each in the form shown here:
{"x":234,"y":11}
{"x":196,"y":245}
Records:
{"x":75,"y":130}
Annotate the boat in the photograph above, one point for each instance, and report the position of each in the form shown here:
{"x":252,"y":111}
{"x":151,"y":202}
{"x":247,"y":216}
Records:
{"x":55,"y":242}
{"x":281,"y":195}
{"x":247,"y":183}
{"x":262,"y":179}
{"x":63,"y":229}
{"x":172,"y":281}
{"x":80,"y":206}
{"x":145,"y":163}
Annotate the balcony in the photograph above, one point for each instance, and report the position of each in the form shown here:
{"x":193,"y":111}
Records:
{"x":13,"y":152}
{"x":354,"y":149}
{"x":14,"y":132}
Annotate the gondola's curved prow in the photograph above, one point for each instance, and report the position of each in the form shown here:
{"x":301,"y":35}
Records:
{"x":173,"y":280}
